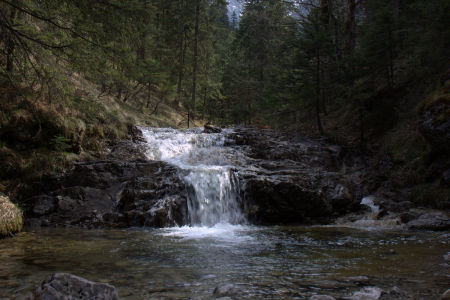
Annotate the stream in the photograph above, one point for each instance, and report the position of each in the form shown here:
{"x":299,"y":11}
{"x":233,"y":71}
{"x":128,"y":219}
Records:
{"x":188,"y":262}
{"x":220,"y":246}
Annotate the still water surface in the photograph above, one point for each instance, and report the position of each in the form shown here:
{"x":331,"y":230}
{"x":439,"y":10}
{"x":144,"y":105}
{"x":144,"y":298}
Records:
{"x":263,"y":262}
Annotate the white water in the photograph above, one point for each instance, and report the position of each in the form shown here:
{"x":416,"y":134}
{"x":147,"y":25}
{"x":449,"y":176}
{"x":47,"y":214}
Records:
{"x":369,"y":201}
{"x":207,"y":168}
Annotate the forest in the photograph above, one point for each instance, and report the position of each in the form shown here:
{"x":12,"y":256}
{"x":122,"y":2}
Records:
{"x":78,"y":74}
{"x":241,"y":149}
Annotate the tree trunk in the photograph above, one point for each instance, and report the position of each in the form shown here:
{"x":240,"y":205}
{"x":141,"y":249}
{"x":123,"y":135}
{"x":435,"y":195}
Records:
{"x":181,"y":49}
{"x":324,"y":13}
{"x":350,"y":34}
{"x":194,"y":72}
{"x":149,"y":94}
{"x":319,"y":122}
{"x":350,"y":28}
{"x":204,"y":103}
{"x":361,"y":126}
{"x":335,"y":23}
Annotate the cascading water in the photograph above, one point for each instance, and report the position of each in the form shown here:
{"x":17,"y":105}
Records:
{"x":206,"y":167}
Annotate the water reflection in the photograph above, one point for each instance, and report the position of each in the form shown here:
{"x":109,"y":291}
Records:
{"x":275,"y":262}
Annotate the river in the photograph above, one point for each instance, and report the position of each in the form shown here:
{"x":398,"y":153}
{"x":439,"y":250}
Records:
{"x":219,"y":246}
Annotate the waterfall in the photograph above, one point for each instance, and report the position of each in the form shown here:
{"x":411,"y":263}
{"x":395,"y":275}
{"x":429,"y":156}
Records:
{"x":206,"y":166}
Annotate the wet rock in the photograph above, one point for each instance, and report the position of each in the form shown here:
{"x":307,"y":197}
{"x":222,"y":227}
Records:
{"x":360,"y":280}
{"x":447,"y":256}
{"x":446,"y":295}
{"x":408,"y":216}
{"x":396,"y":293}
{"x":368,"y":293}
{"x":225,"y":290}
{"x":321,"y":297}
{"x":430,"y":221}
{"x":293,"y":179}
{"x":43,"y":205}
{"x":283,"y":202}
{"x":112,"y":194}
{"x":68,"y":286}
{"x":211,"y":129}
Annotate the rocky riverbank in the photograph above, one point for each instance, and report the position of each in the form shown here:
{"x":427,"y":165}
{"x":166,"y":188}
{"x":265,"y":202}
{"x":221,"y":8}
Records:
{"x":285,"y":179}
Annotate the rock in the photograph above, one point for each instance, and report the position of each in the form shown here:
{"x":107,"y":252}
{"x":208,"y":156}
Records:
{"x":295,"y":180}
{"x":112,"y":194}
{"x":408,"y":216}
{"x":360,"y":280}
{"x":68,"y":286}
{"x":446,"y":295}
{"x":25,"y":296}
{"x":321,"y":297}
{"x":396,"y":293}
{"x":10,"y":217}
{"x":445,"y":178}
{"x":447,"y":256}
{"x":211,"y":129}
{"x":283,"y":202}
{"x":368,"y":293}
{"x":437,"y":221}
{"x":399,"y":206}
{"x":43,"y":205}
{"x":226,"y":289}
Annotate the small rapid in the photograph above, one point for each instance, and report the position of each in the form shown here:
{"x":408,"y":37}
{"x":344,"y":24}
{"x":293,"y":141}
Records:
{"x":207,"y":167}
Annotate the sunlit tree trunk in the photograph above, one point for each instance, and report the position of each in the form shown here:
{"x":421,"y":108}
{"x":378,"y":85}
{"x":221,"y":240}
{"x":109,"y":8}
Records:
{"x":194,"y":72}
{"x":181,"y":49}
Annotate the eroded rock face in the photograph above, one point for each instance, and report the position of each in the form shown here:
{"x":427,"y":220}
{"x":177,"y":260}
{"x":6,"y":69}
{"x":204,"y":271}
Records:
{"x":68,"y":286}
{"x":293,"y":179}
{"x":112,"y":194}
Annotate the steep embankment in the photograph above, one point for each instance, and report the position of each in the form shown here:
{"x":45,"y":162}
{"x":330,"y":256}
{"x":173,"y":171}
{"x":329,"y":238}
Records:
{"x":43,"y":133}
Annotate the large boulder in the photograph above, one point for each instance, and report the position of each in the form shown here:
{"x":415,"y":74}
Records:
{"x":436,"y":220}
{"x":111,"y":194}
{"x":293,"y":179}
{"x":68,"y":286}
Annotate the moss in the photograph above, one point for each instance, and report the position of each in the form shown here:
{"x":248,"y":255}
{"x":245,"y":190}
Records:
{"x":11,"y":219}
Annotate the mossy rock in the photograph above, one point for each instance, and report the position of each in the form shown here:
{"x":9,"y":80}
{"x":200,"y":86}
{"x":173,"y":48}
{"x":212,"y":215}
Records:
{"x":11,"y":220}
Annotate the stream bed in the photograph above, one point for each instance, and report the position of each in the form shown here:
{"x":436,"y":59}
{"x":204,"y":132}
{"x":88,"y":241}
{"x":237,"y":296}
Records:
{"x":262,"y":262}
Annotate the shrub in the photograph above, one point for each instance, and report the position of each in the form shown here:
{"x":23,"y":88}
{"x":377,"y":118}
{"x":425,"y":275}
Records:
{"x":10,"y":217}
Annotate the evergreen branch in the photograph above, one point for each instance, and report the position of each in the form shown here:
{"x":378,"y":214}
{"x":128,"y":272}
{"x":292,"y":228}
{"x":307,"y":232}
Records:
{"x":50,"y":21}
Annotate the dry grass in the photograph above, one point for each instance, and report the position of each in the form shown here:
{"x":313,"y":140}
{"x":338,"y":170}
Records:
{"x":10,"y":217}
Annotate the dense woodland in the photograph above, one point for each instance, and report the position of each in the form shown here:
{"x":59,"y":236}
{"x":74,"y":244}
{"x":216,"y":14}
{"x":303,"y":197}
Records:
{"x":77,"y":73}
